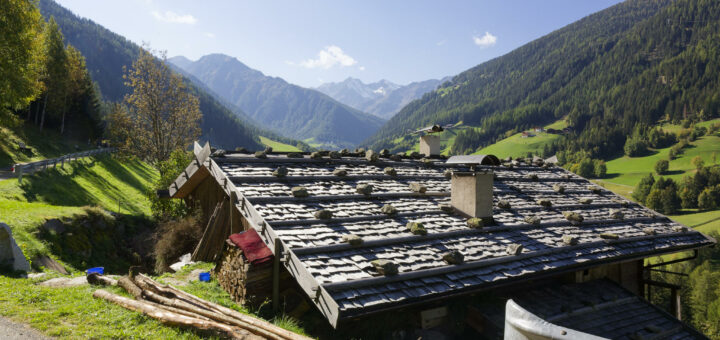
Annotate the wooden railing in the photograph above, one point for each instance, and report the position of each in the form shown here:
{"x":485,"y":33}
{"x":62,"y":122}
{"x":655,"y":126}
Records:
{"x":29,"y":168}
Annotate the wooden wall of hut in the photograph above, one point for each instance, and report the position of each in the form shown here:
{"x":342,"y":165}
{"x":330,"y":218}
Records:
{"x":206,"y":196}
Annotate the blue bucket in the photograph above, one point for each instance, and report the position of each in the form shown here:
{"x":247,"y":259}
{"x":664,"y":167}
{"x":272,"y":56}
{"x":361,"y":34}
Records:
{"x":204,"y":277}
{"x":96,"y":270}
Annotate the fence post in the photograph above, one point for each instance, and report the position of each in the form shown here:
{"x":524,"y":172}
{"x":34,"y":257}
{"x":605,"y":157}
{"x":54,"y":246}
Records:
{"x":19,"y":168}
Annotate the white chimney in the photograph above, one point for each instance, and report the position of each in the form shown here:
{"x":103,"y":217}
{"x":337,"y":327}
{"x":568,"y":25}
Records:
{"x":430,"y":145}
{"x":472,"y":193}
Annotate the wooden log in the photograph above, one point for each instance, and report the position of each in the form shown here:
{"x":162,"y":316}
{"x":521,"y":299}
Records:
{"x":130,"y":287}
{"x":170,"y":291}
{"x":180,"y":304}
{"x":101,"y":280}
{"x":174,"y":319}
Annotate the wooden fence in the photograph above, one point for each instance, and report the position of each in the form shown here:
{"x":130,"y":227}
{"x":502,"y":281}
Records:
{"x":29,"y":168}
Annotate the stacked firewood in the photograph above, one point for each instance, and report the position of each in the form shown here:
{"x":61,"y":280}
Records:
{"x":174,"y":307}
{"x":248,"y":284}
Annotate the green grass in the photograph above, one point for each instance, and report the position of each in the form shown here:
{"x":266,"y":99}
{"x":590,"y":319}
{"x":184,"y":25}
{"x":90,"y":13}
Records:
{"x":105,"y":181}
{"x":517,"y":146}
{"x":277,"y":146}
{"x":675,"y":128}
{"x":629,"y":170}
{"x":46,"y":144}
{"x":72,"y":312}
{"x":704,"y":222}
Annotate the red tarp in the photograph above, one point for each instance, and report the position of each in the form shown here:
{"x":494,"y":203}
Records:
{"x":252,"y":246}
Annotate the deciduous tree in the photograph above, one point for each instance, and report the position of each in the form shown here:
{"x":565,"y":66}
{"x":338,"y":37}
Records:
{"x":20,"y":25}
{"x":164,"y":116}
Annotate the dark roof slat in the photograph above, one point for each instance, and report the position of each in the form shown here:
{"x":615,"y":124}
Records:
{"x":433,"y":236}
{"x":351,"y":284}
{"x":290,"y":199}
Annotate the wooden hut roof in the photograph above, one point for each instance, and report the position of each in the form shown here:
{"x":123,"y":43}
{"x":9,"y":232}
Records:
{"x":340,"y":277}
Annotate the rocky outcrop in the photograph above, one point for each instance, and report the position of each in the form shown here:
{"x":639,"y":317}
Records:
{"x":11,"y":255}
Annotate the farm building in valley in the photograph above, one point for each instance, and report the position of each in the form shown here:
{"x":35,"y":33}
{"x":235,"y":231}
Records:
{"x":357,"y":234}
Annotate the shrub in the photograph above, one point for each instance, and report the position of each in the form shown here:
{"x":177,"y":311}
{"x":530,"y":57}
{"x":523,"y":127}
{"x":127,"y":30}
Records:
{"x":709,"y":199}
{"x":175,"y":238}
{"x":642,"y":189}
{"x":661,"y":166}
{"x":635,"y":146}
{"x":169,"y":169}
{"x":698,"y":162}
{"x":600,"y":169}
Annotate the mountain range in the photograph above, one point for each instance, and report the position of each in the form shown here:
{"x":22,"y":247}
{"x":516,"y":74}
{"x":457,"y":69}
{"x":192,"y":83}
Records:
{"x":288,"y":109}
{"x":106,"y":53}
{"x":383,"y":98}
{"x":609,"y":74}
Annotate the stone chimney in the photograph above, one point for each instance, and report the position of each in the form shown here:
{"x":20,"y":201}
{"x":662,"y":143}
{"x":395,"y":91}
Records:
{"x":430,"y":145}
{"x":472,"y":193}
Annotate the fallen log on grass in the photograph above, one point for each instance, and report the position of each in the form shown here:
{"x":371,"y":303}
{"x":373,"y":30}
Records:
{"x":174,"y":319}
{"x":167,"y":291}
{"x":130,"y":287}
{"x":101,"y":280}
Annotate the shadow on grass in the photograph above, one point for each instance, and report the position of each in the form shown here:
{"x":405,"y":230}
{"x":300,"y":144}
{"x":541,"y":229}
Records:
{"x":56,"y":187}
{"x":674,"y":172}
{"x":610,"y":176}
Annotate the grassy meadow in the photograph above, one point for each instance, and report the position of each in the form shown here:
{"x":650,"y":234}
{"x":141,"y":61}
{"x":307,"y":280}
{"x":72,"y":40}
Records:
{"x":517,"y":146}
{"x":278,"y":146}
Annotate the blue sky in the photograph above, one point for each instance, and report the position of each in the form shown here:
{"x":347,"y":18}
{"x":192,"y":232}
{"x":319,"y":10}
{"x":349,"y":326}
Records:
{"x":311,"y":42}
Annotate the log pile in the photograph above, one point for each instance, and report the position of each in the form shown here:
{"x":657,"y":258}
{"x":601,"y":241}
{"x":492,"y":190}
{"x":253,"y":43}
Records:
{"x":248,"y":284}
{"x":174,"y":307}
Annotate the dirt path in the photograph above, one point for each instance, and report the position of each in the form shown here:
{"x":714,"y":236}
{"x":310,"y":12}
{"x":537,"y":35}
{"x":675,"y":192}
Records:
{"x":10,"y":330}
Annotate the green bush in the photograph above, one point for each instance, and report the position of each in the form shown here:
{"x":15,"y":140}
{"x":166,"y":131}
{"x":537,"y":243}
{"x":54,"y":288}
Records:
{"x":661,"y":166}
{"x":709,"y":199}
{"x":642,"y":189}
{"x":635,"y":146}
{"x":169,"y":171}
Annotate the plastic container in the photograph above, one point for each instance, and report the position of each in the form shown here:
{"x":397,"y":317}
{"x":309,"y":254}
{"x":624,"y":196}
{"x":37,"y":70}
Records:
{"x":204,"y":277}
{"x":96,"y":270}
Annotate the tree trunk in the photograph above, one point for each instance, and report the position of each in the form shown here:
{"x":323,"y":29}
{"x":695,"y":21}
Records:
{"x":165,"y":290}
{"x":42,"y":118}
{"x":62,"y":124}
{"x":171,"y":318}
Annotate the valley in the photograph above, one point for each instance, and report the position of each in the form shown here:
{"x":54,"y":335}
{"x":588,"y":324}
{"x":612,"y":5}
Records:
{"x":263,"y":182}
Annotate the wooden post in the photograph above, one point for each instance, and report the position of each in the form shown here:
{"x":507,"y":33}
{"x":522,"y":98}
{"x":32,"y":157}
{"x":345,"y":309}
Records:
{"x":19,"y":168}
{"x":276,"y":276}
{"x":675,"y":307}
{"x":62,"y":162}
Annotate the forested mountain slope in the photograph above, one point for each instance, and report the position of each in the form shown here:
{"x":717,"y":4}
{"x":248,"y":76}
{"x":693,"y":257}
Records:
{"x":618,"y":70}
{"x":286,"y":108}
{"x":106,"y":53}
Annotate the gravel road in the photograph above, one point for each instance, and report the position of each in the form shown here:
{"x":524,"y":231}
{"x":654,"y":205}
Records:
{"x":14,"y":331}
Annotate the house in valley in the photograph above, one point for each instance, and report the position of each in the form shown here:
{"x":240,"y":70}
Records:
{"x":361,"y":234}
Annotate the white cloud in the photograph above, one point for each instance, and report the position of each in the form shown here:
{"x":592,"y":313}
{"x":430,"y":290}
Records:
{"x":441,"y":42}
{"x":329,"y":57}
{"x":172,"y":17}
{"x":486,"y":40}
{"x":361,"y":68}
{"x":210,"y":35}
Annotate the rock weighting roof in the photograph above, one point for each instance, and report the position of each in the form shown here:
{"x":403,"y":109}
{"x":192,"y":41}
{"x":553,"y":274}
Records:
{"x":345,"y":225}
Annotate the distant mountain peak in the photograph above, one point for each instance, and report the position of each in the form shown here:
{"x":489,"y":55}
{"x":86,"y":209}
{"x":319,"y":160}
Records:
{"x":382,"y":98}
{"x":286,"y":108}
